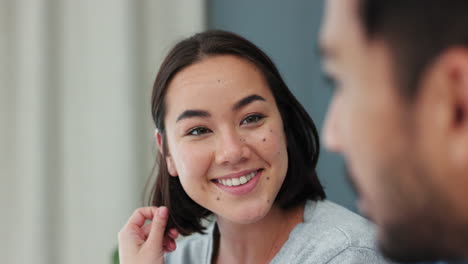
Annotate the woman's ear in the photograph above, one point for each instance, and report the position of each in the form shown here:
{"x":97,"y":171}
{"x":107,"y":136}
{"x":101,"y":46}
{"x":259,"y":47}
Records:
{"x":159,"y":142}
{"x":171,"y":167}
{"x":169,"y":162}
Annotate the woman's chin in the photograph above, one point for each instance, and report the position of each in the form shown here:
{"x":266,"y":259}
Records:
{"x":247,"y":215}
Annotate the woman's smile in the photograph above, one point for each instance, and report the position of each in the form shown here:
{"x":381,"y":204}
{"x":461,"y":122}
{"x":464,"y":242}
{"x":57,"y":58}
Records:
{"x":239,"y":183}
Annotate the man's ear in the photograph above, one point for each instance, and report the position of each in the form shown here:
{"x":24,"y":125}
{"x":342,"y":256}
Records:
{"x":169,"y":161}
{"x":456,"y":64}
{"x":459,"y":76}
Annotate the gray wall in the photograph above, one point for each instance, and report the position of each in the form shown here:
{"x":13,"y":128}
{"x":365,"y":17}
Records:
{"x":287,"y":31}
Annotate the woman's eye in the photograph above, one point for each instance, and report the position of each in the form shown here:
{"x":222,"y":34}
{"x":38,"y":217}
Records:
{"x":252,"y":119}
{"x":198,"y":131}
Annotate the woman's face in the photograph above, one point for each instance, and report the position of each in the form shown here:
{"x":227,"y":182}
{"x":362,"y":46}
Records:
{"x":225,"y":138}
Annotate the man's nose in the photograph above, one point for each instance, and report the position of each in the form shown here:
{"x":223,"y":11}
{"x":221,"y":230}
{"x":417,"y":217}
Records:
{"x":330,"y":131}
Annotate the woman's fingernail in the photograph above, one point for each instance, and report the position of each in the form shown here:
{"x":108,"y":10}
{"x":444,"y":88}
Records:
{"x":163,"y":212}
{"x":156,"y":212}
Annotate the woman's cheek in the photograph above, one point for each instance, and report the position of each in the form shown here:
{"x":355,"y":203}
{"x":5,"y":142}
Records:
{"x":194,"y":161}
{"x":273,"y":141}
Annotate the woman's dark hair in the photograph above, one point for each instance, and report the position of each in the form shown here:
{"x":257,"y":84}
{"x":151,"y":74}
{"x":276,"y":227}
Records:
{"x":301,"y":181}
{"x":416,"y":32}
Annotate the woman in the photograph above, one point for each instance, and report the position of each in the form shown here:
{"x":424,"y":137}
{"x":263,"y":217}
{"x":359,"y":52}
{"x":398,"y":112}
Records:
{"x":235,"y":144}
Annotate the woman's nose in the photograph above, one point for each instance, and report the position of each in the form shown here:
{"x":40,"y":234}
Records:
{"x":231,"y":149}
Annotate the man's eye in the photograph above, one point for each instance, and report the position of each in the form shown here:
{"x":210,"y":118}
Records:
{"x":198,"y":131}
{"x":332,"y":83}
{"x":252,"y":119}
{"x":330,"y":80}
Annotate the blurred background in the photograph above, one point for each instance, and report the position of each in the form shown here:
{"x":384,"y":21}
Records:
{"x":76,"y":138}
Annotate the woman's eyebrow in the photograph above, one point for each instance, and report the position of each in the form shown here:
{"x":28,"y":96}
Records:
{"x":190,"y":113}
{"x":193,"y":113}
{"x":247,"y":100}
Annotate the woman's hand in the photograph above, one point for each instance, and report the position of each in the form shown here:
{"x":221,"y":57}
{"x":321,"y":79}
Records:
{"x":146,"y":244}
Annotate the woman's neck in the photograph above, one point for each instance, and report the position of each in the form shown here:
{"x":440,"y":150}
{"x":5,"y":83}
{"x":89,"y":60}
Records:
{"x":257,"y":242}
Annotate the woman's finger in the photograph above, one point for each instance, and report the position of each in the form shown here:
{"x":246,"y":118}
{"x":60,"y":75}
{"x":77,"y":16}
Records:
{"x":173,"y":233}
{"x":132,"y":237}
{"x":141,"y":215}
{"x":146,"y":229}
{"x":132,"y":233}
{"x":158,"y":225}
{"x":169,"y":244}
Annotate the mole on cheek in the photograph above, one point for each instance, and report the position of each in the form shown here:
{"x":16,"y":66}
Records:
{"x":219,"y":80}
{"x":268,"y":201}
{"x":268,"y":178}
{"x":217,"y":199}
{"x":264,"y":139}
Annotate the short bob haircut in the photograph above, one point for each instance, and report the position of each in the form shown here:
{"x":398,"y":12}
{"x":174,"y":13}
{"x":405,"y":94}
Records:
{"x":301,"y":181}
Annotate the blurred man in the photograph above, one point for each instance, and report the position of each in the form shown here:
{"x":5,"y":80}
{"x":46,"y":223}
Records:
{"x":399,"y":116}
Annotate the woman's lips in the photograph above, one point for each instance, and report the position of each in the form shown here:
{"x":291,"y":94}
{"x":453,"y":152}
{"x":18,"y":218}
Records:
{"x":240,"y":185}
{"x":235,"y":181}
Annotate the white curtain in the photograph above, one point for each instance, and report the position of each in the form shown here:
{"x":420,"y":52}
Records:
{"x":76,"y":142}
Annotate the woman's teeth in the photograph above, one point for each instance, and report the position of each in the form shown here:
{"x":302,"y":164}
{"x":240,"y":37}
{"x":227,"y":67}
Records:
{"x":237,"y":181}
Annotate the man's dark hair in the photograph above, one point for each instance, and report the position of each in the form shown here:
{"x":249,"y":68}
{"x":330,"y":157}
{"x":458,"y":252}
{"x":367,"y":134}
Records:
{"x":301,"y":181}
{"x":417,"y":32}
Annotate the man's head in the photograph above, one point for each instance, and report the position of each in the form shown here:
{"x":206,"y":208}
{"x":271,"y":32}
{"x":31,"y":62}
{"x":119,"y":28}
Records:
{"x":400,"y":117}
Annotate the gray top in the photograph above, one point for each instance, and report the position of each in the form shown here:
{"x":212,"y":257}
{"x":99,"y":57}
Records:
{"x":329,"y":234}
